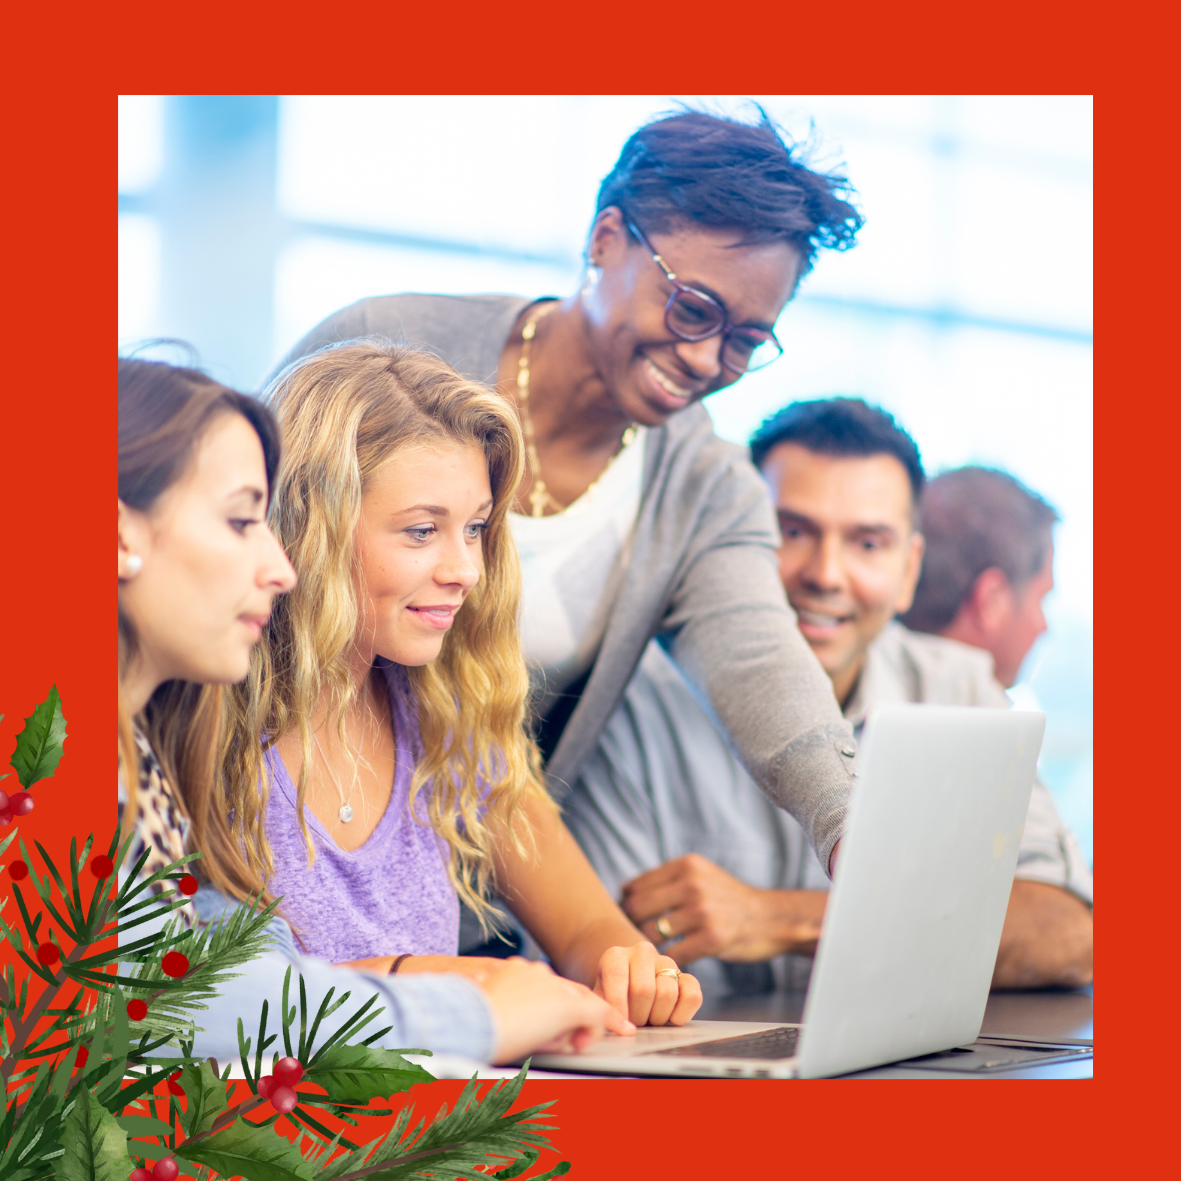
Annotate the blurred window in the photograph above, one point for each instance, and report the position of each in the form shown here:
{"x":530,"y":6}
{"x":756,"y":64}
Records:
{"x":965,"y":308}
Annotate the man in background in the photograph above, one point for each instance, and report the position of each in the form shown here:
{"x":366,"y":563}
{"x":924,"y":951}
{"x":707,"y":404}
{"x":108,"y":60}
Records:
{"x":989,"y":564}
{"x":670,"y":819}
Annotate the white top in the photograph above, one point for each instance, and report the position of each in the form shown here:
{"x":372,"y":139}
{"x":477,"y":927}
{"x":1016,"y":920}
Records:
{"x":571,"y":563}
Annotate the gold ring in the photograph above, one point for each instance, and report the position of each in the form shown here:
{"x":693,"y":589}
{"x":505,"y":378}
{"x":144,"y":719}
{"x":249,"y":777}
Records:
{"x":663,"y":929}
{"x":675,"y":973}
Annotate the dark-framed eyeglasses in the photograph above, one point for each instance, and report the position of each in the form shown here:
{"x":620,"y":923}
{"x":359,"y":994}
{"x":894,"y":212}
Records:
{"x":694,"y":315}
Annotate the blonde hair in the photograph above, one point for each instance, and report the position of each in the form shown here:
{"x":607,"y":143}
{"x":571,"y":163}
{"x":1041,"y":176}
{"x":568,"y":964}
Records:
{"x":344,"y":412}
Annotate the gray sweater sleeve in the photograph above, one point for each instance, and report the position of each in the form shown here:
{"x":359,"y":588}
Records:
{"x":346,"y":324}
{"x":735,"y":636}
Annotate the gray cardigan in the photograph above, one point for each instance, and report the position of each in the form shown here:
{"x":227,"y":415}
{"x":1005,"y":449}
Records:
{"x":702,"y":575}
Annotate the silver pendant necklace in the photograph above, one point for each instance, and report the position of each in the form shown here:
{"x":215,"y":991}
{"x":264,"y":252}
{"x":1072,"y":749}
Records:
{"x":346,"y":809}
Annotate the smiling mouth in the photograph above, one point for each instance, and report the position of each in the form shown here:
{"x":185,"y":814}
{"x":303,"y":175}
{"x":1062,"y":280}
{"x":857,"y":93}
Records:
{"x":666,"y":383}
{"x":436,"y":612}
{"x":820,"y":618}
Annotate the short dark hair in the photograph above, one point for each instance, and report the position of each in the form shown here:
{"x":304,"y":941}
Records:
{"x":725,"y":173}
{"x":840,"y":426}
{"x":976,"y":518}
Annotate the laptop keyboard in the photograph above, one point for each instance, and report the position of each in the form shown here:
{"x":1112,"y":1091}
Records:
{"x":767,"y":1043}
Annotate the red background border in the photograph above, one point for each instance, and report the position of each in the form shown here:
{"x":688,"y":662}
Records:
{"x":57,"y":445}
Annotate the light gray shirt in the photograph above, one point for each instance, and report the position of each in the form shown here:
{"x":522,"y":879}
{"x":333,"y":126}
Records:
{"x":665,"y":782}
{"x":702,"y":575}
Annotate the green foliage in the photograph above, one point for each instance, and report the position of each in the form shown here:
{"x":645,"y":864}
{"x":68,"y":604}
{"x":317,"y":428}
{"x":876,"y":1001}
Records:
{"x":94,"y":1146}
{"x":206,"y":1095}
{"x":357,"y":1074}
{"x":251,"y":1151}
{"x":39,"y":744}
{"x":479,"y":1130}
{"x":98,"y":1121}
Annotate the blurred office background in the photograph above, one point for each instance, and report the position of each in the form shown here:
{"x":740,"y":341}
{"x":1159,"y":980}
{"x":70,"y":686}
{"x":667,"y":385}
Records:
{"x":965,"y":308}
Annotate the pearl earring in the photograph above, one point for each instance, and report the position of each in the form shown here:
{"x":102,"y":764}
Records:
{"x":132,"y":565}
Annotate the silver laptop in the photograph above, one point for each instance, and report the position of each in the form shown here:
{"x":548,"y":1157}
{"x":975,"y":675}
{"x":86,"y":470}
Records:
{"x":914,"y":916}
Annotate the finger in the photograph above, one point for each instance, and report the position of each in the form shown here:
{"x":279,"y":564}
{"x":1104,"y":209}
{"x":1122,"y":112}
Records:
{"x":641,"y":982}
{"x":667,"y":992}
{"x":617,"y":1023}
{"x":651,"y":902}
{"x":613,"y":983}
{"x":601,"y":1019}
{"x":689,"y":1000}
{"x":678,"y":924}
{"x":659,"y":876}
{"x":696,"y":944}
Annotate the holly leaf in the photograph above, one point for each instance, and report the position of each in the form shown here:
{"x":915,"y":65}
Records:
{"x":205,"y":1096}
{"x":94,"y":1147}
{"x":244,"y":1150}
{"x":39,"y":744}
{"x":356,"y":1074}
{"x":143,"y":1125}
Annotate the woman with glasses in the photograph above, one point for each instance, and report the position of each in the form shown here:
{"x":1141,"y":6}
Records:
{"x":633,"y":520}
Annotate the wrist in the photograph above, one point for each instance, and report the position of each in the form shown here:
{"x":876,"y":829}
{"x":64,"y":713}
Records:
{"x":794,"y":918}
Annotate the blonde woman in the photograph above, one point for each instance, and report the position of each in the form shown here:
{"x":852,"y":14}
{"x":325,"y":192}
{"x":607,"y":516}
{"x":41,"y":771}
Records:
{"x":199,"y":573}
{"x":390,"y":691}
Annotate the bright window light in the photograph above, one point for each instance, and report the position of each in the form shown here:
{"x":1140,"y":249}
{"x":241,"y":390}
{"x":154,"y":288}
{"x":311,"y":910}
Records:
{"x":139,"y":277}
{"x":141,"y":141}
{"x":315,"y":276}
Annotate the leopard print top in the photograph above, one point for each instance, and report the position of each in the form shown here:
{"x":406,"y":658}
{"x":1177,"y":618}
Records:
{"x":161,"y":826}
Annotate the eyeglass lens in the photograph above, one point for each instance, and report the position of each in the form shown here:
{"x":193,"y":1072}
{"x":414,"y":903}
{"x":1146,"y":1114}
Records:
{"x":693,"y":316}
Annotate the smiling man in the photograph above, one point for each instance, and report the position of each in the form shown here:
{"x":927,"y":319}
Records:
{"x":700,"y":860}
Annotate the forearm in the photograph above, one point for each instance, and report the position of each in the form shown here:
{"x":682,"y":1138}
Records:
{"x":579,"y":957}
{"x":556,"y":895}
{"x":793,"y":919}
{"x":446,"y":1014}
{"x":774,"y":701}
{"x":1046,"y":941}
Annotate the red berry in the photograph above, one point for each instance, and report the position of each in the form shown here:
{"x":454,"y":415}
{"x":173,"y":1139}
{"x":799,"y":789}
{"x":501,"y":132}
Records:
{"x":165,"y":1170}
{"x":21,"y":803}
{"x":137,"y":1010}
{"x":102,"y":866}
{"x":284,"y":1099}
{"x":3,"y":798}
{"x":83,"y":1055}
{"x":288,"y":1071}
{"x":266,"y":1085}
{"x":174,"y":1084}
{"x":140,"y":1175}
{"x":175,"y":964}
{"x":188,"y":884}
{"x":5,"y":817}
{"x":48,"y":953}
{"x":18,"y":871}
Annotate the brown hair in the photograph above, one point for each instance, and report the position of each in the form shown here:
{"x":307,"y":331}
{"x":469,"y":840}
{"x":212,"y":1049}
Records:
{"x":975,"y":519}
{"x":164,"y":412}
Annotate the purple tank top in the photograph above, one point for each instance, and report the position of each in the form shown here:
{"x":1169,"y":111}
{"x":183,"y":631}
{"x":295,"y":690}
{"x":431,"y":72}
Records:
{"x":392,"y":894}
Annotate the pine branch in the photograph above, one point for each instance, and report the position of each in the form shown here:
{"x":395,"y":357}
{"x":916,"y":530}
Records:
{"x":80,"y":1112}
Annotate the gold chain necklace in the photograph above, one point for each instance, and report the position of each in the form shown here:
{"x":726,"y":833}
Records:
{"x":540,"y":497}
